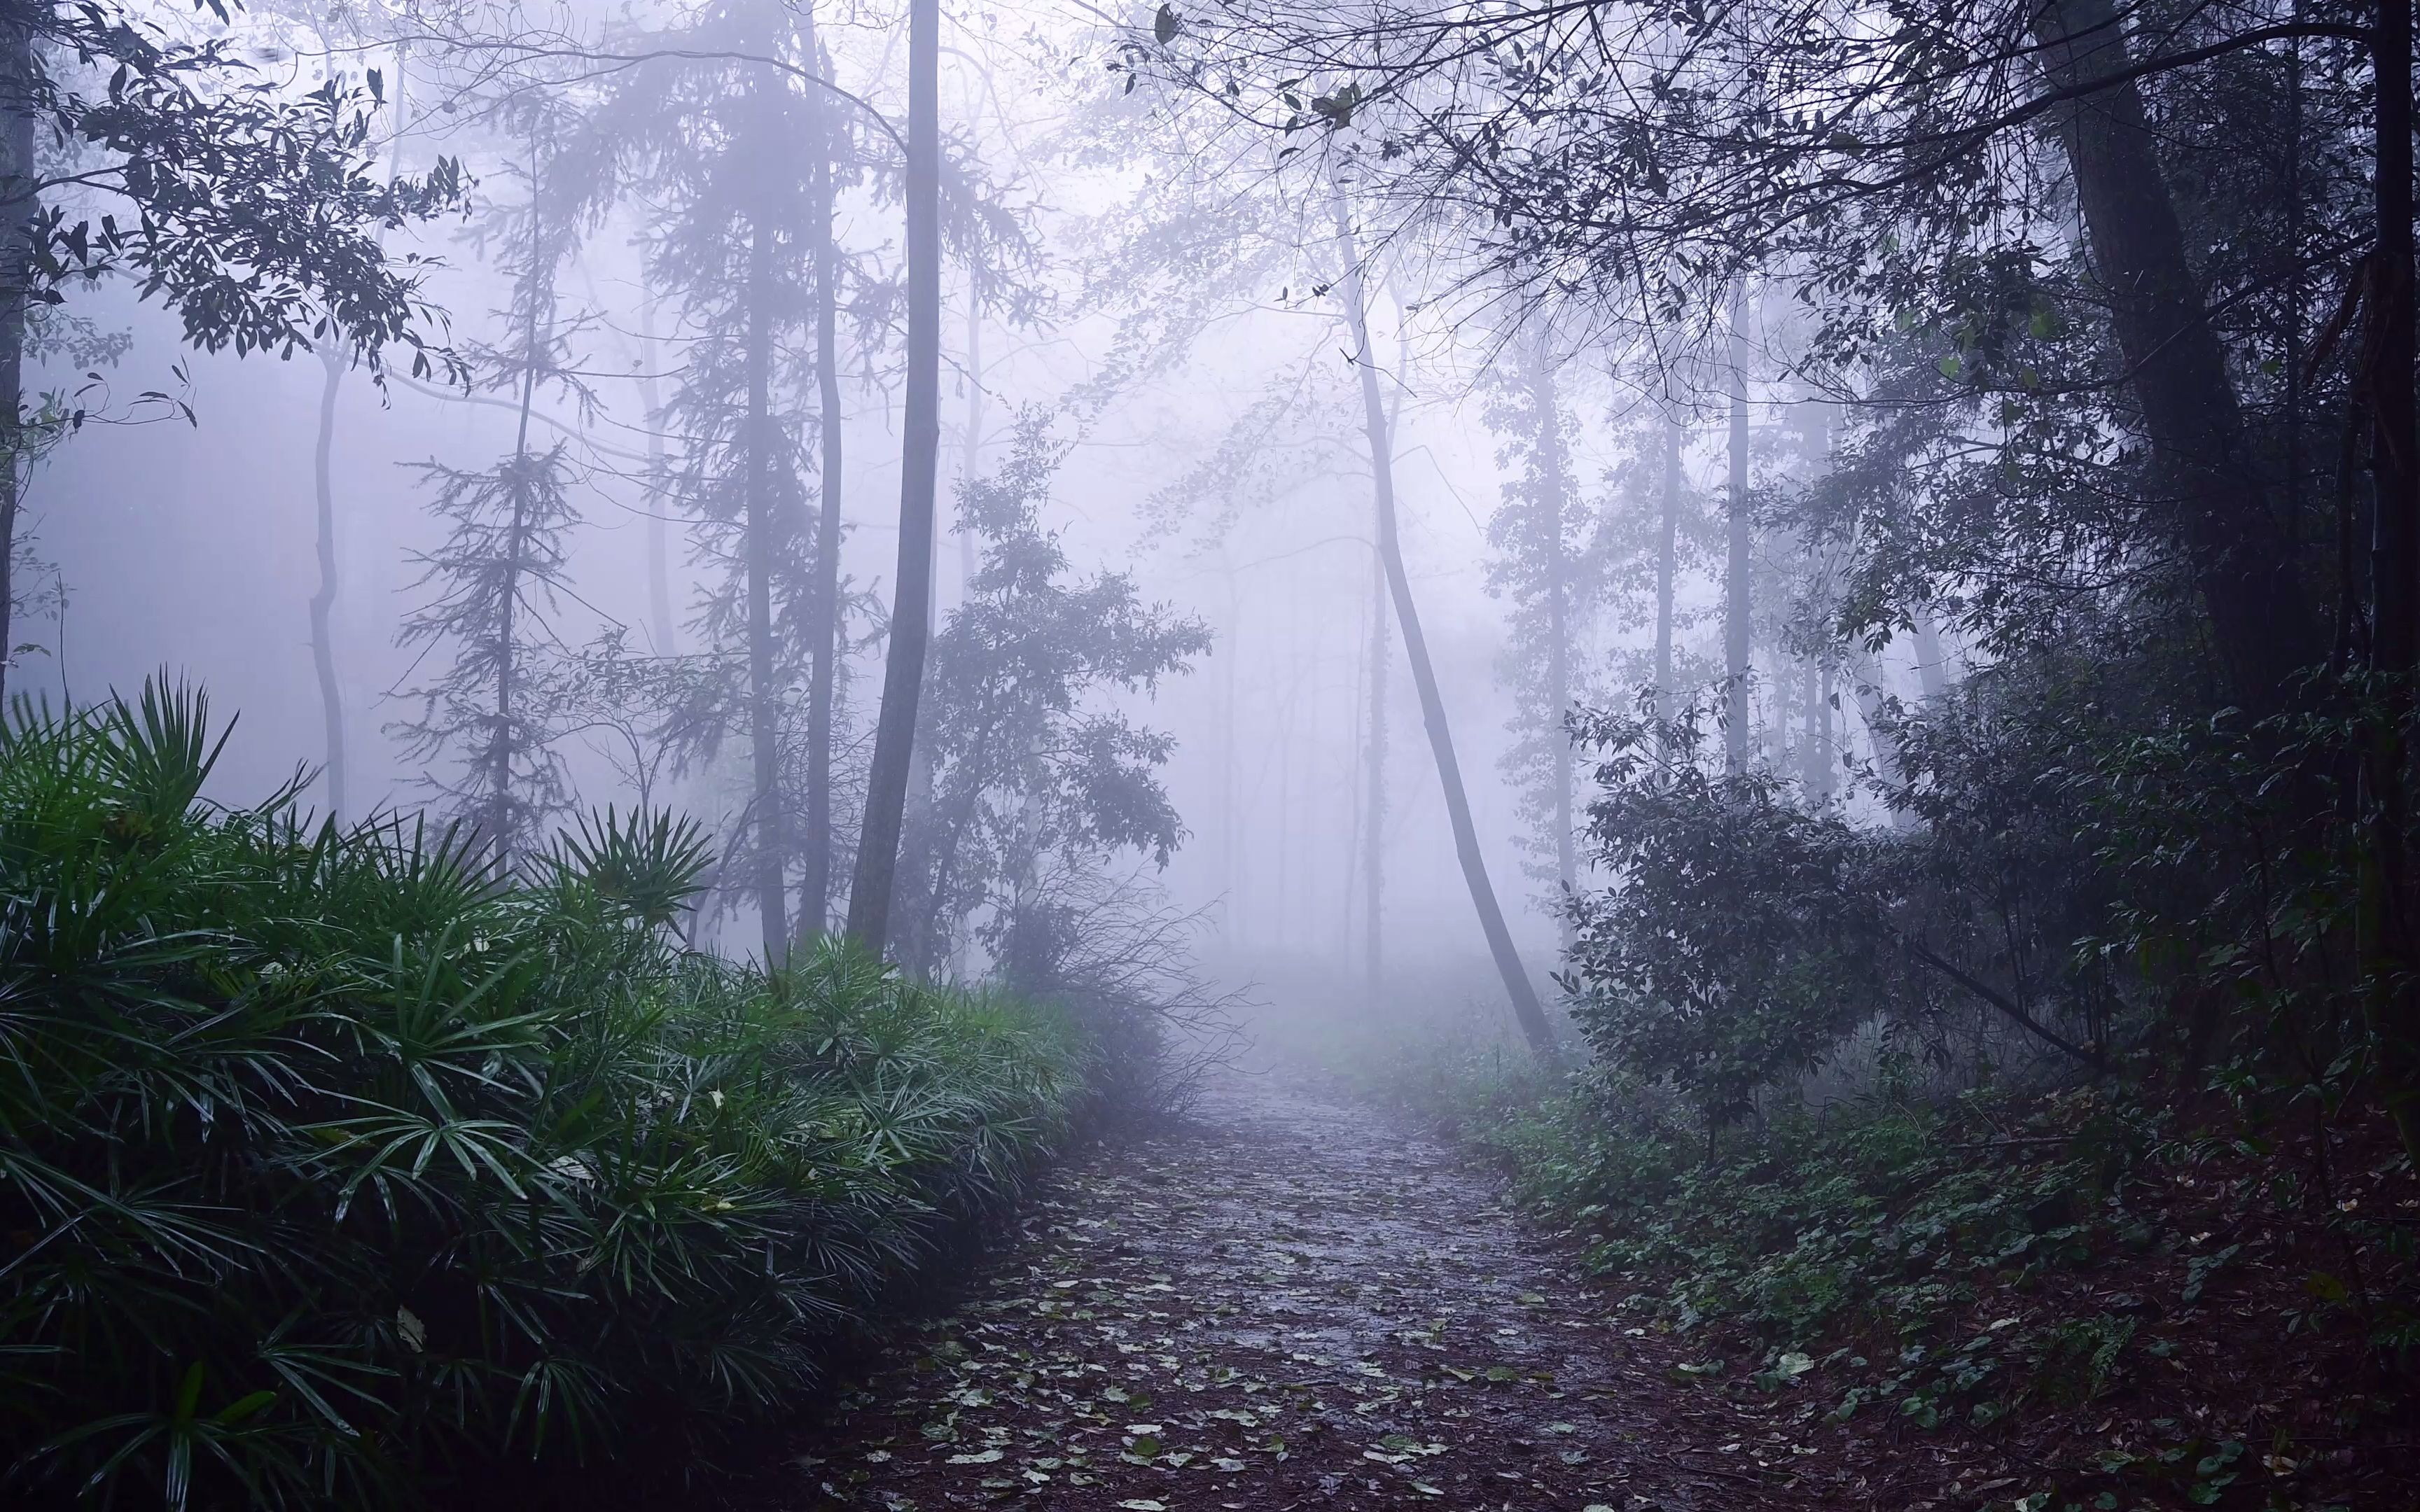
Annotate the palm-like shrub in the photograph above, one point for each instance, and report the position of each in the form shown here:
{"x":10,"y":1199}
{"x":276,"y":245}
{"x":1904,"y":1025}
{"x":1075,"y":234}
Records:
{"x":333,"y":1168}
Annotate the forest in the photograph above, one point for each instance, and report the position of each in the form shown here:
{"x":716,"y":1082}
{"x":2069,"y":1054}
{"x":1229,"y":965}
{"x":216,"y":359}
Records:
{"x":1246,"y":754}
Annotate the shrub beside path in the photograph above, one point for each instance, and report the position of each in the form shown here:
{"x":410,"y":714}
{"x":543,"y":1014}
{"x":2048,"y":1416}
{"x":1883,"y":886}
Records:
{"x":1289,"y":1303}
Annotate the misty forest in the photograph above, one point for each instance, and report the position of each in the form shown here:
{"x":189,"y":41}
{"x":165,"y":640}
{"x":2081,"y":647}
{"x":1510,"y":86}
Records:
{"x":1602,"y":755}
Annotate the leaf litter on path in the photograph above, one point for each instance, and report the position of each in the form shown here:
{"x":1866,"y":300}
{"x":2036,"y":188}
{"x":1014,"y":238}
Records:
{"x":1283,"y":1304}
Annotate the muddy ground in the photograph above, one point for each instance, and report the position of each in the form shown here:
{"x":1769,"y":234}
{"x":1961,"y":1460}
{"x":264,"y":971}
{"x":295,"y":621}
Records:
{"x":1289,"y":1303}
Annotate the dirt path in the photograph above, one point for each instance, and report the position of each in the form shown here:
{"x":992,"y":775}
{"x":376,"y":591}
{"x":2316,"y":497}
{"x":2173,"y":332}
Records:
{"x":1289,"y":1304}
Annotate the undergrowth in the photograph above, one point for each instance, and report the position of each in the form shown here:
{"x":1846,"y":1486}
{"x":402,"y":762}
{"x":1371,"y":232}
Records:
{"x":336,"y":1171}
{"x":2084,"y":1277}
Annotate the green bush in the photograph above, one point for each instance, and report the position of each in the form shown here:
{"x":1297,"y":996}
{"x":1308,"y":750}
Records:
{"x":334,"y":1169}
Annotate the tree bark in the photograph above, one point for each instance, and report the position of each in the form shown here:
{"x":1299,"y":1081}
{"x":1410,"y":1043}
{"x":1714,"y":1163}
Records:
{"x":815,"y":886}
{"x":1526,"y":1009}
{"x":902,"y":671}
{"x":1736,"y":602}
{"x":2243,"y":566}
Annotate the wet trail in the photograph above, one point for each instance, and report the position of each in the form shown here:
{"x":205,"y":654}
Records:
{"x":1288,"y":1305}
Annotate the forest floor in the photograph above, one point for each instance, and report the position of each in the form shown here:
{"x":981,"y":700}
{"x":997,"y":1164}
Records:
{"x":1285,"y":1303}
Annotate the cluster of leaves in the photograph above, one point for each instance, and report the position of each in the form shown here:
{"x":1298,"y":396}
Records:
{"x":337,"y":1169}
{"x":255,"y":214}
{"x":1877,"y":1216}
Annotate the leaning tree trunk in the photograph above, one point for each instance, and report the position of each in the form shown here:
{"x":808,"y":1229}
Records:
{"x":1530,"y":1013}
{"x":903,"y":671}
{"x":2237,"y":544}
{"x":1736,"y":563}
{"x":764,"y":696}
{"x":19,"y":206}
{"x":815,"y":886}
{"x":1373,"y":767}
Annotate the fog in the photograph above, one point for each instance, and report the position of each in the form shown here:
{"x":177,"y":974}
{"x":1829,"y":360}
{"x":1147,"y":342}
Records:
{"x":1158,"y":299}
{"x":191,"y":548}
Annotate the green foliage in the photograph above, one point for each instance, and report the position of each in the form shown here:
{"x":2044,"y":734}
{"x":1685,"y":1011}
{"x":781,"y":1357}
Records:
{"x":331,"y":1165}
{"x":1747,"y":938}
{"x":1884,"y":1219}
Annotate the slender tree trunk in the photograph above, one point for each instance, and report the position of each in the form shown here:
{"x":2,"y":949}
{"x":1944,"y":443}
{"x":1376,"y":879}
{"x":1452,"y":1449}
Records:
{"x":902,"y":671}
{"x":1666,"y":565}
{"x":1227,"y":754}
{"x":815,"y":892}
{"x":927,"y":860}
{"x":969,"y":471}
{"x":764,"y":696}
{"x":970,"y":450}
{"x":1827,"y":743}
{"x":18,"y":205}
{"x":659,"y":573}
{"x":1736,"y":565}
{"x":1373,"y":759}
{"x":536,"y":318}
{"x":2391,"y":910}
{"x":2265,"y":630}
{"x":323,"y":601}
{"x":1554,"y":479}
{"x":1526,"y":1009}
{"x":1285,"y":783}
{"x":1813,"y":754}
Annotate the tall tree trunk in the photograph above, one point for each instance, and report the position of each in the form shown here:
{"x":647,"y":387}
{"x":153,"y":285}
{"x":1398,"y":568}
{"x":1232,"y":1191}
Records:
{"x":2264,"y":626}
{"x":903,"y":671}
{"x":1666,"y":565}
{"x":323,"y":600}
{"x":535,"y":333}
{"x":1373,"y":767}
{"x":764,"y":696}
{"x":970,"y":449}
{"x":1230,"y":917}
{"x":969,"y":471}
{"x":1530,"y":1013}
{"x":659,"y":572}
{"x":1736,"y":565}
{"x":2391,"y":911}
{"x":1554,"y":481}
{"x":815,"y":887}
{"x":1932,"y":661}
{"x":1813,"y":750}
{"x":19,"y":206}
